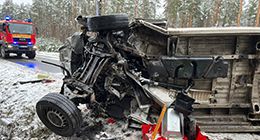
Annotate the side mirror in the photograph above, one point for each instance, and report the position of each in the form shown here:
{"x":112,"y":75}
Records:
{"x":3,"y":27}
{"x":36,"y":30}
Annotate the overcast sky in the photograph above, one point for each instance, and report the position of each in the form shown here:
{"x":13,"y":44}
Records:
{"x":19,"y":1}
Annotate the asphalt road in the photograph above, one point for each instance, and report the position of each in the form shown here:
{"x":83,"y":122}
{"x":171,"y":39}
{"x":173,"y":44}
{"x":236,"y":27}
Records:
{"x":36,"y":63}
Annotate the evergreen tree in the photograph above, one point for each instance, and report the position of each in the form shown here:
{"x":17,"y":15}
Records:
{"x":203,"y":16}
{"x":55,"y":18}
{"x":8,"y":8}
{"x":229,"y":13}
{"x":172,"y":12}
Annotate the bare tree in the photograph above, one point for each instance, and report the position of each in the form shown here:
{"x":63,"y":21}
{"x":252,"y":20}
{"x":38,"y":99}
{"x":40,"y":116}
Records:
{"x":240,"y":12}
{"x":258,"y":14}
{"x":136,"y":9}
{"x":217,"y":12}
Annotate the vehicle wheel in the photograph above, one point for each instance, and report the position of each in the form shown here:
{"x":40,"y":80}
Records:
{"x":107,"y":22}
{"x":59,"y":114}
{"x":4,"y":54}
{"x":19,"y":54}
{"x":31,"y":55}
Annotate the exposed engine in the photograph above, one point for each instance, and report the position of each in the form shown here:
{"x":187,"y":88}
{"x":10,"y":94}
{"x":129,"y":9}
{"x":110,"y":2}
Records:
{"x":120,"y":71}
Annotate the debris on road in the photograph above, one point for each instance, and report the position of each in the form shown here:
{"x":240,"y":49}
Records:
{"x":6,"y":121}
{"x":43,"y":76}
{"x":35,"y":81}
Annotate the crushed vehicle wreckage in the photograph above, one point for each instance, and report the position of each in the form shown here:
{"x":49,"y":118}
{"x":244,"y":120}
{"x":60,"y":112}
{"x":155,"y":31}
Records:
{"x":128,"y":73}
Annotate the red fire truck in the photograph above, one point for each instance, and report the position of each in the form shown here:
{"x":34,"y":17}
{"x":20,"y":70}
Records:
{"x":17,"y":36}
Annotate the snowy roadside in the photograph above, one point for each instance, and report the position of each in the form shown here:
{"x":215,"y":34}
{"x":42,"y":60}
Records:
{"x":53,"y":55}
{"x":17,"y":102}
{"x":17,"y":105}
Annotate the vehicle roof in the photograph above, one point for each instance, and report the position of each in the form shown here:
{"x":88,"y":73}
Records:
{"x":15,"y":21}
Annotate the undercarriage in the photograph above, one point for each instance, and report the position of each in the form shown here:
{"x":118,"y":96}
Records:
{"x":141,"y":74}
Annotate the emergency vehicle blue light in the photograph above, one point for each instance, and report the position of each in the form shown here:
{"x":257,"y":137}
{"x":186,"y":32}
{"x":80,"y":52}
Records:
{"x":30,"y":43}
{"x":28,"y":20}
{"x":7,"y":18}
{"x":15,"y":42}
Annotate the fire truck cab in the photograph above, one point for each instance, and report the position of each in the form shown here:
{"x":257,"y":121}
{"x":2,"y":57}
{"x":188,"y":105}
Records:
{"x":17,"y":37}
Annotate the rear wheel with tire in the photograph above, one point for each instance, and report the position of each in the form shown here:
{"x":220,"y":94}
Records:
{"x":31,"y":55}
{"x":4,"y":54}
{"x":107,"y":22}
{"x":19,"y":54}
{"x":59,"y":114}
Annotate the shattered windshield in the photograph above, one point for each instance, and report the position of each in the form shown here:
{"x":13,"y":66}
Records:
{"x":20,"y":28}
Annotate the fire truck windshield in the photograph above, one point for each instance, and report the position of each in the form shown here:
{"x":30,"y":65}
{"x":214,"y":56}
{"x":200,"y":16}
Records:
{"x":20,"y":28}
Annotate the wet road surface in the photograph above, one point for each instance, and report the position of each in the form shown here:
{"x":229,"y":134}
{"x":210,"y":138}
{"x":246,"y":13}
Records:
{"x":36,"y":63}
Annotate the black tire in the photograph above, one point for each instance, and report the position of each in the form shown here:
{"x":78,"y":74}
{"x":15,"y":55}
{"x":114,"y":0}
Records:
{"x":4,"y":54}
{"x":31,"y":55}
{"x":19,"y":54}
{"x":107,"y":22}
{"x":59,"y":114}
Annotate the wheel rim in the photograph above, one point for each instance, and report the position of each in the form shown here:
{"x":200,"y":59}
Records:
{"x":56,"y":118}
{"x":59,"y":114}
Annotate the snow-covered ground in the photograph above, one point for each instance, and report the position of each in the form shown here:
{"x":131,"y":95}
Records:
{"x":18,"y":119}
{"x":48,"y":44}
{"x":17,"y":102}
{"x":54,"y":55}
